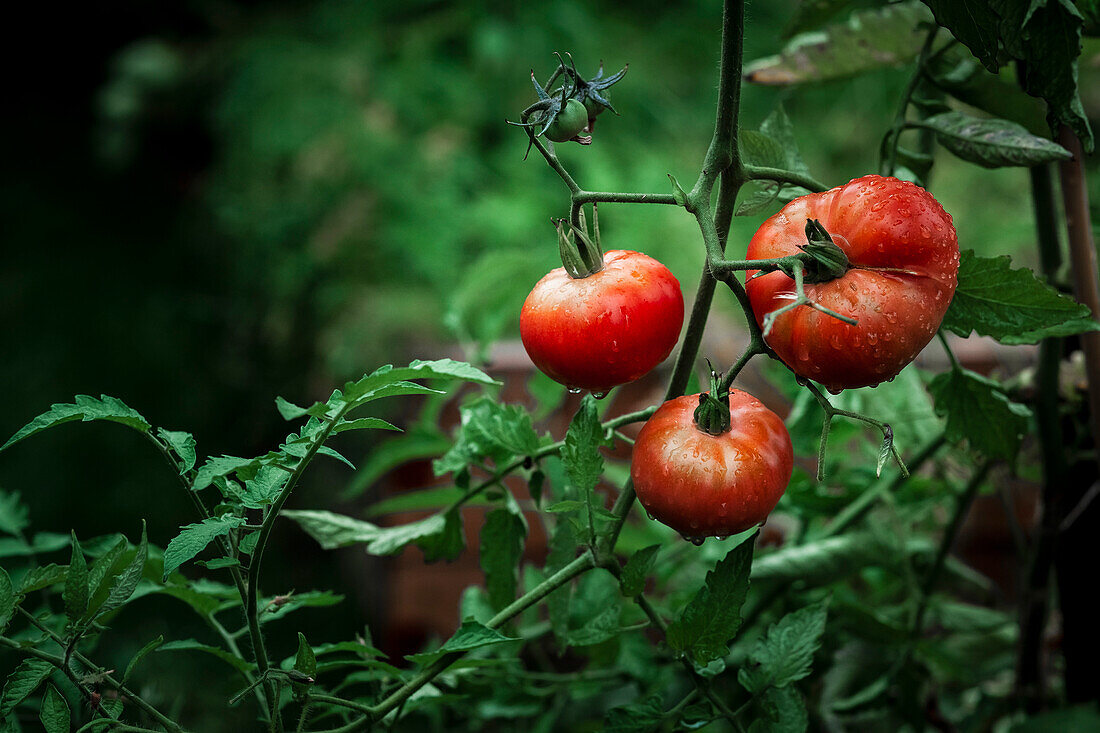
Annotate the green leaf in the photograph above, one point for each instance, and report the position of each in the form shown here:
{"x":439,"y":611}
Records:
{"x":502,"y":539}
{"x":363,"y":423}
{"x":489,"y":430}
{"x":305,"y":661}
{"x":83,"y":408}
{"x":786,"y":652}
{"x":581,"y":452}
{"x":448,"y":543}
{"x":640,"y":716}
{"x":290,"y":411}
{"x":1012,"y":306}
{"x":55,"y":712}
{"x":760,"y":149}
{"x":14,"y":517}
{"x":100,"y":570}
{"x":194,"y":538}
{"x":218,"y":467}
{"x":411,"y":501}
{"x":75,"y":594}
{"x":141,"y":654}
{"x":7,"y":599}
{"x":977,"y":410}
{"x":183,"y":444}
{"x":595,"y":611}
{"x":263,"y":488}
{"x":974,"y":23}
{"x":389,"y":381}
{"x":336,"y":530}
{"x":870,"y":39}
{"x":713,"y":616}
{"x":993,"y":143}
{"x":784,"y":712}
{"x":42,"y":576}
{"x":128,"y":579}
{"x":191,"y":645}
{"x":23,"y":680}
{"x":636,"y":570}
{"x":471,"y":635}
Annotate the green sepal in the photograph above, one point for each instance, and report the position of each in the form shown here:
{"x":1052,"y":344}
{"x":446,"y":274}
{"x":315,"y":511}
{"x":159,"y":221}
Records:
{"x":712,"y":416}
{"x":824,"y":260}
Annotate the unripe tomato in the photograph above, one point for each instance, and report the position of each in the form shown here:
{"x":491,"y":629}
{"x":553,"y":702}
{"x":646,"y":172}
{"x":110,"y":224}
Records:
{"x":904,"y":257}
{"x":704,"y":485}
{"x":569,"y":123}
{"x":606,"y":329}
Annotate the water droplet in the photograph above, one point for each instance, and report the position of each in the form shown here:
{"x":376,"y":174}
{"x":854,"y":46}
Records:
{"x":694,"y":540}
{"x":599,"y":395}
{"x":872,"y":338}
{"x":721,"y":537}
{"x":650,"y":515}
{"x":837,"y":390}
{"x":574,"y":390}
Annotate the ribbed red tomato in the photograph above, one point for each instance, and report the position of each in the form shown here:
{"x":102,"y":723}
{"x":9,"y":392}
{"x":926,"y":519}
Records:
{"x":904,"y":258}
{"x":703,"y":485}
{"x":606,"y":329}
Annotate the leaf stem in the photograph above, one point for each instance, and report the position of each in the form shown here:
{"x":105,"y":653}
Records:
{"x":779,"y":175}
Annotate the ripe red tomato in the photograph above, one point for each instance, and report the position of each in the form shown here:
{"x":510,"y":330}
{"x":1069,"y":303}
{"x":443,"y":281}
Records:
{"x":704,"y":485}
{"x":904,"y":258}
{"x":606,"y":329}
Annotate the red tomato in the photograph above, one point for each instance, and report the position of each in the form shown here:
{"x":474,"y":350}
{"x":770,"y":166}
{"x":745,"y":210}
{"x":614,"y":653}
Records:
{"x":904,"y":258}
{"x":704,"y":485}
{"x":606,"y":329}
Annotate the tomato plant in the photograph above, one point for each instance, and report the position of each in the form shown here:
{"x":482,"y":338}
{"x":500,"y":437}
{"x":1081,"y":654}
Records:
{"x":590,"y":616}
{"x":606,"y":329}
{"x":705,"y":485}
{"x":903,"y":256}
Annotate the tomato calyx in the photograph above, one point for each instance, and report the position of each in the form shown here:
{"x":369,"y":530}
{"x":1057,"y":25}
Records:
{"x":822,"y":259}
{"x":594,"y":93}
{"x":581,"y":255}
{"x":712,"y":416}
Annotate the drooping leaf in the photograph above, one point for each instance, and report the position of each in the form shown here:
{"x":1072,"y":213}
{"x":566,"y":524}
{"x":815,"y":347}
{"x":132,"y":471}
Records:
{"x":974,"y":23}
{"x":786,"y":652}
{"x":595,"y":611}
{"x":194,"y":538}
{"x":713,"y":616}
{"x":55,"y":712}
{"x":379,"y":382}
{"x":336,"y":530}
{"x":636,"y":570}
{"x":821,"y":562}
{"x":502,"y":539}
{"x":23,"y":680}
{"x":448,"y":543}
{"x":471,"y":635}
{"x":869,"y":39}
{"x":1011,"y":305}
{"x":417,"y":443}
{"x":993,"y":143}
{"x":82,"y":408}
{"x":978,"y":411}
{"x":363,"y":423}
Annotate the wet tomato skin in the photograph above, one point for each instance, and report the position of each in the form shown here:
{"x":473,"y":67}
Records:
{"x":904,"y":256}
{"x":606,"y":329}
{"x":703,"y":485}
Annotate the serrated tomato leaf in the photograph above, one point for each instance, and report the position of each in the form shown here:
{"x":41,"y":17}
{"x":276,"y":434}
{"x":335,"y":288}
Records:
{"x":978,"y":411}
{"x":711,"y":619}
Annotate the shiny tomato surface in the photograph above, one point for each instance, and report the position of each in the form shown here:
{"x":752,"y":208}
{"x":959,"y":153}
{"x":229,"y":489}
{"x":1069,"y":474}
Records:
{"x":904,"y":257}
{"x":703,"y":485}
{"x":606,"y":329}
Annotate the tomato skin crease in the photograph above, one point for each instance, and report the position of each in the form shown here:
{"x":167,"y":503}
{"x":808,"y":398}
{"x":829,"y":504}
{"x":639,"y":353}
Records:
{"x":904,"y":255}
{"x":606,"y":329}
{"x":712,"y":486}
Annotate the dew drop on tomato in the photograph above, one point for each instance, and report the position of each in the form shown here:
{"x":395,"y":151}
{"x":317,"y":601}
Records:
{"x":574,"y":390}
{"x":599,"y":395}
